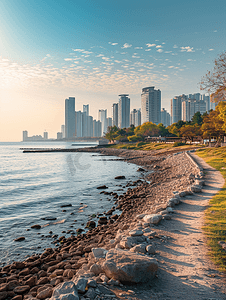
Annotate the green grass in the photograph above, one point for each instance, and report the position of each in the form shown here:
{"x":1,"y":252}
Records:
{"x":148,"y":146}
{"x":215,"y":215}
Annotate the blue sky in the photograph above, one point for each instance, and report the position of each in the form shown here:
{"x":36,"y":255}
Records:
{"x":95,"y":50}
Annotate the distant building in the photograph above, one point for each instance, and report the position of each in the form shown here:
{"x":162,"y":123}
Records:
{"x":115,"y":114}
{"x":124,"y":111}
{"x":135,"y":117}
{"x":102,"y":116}
{"x":70,"y":117}
{"x":150,"y":105}
{"x":59,"y":135}
{"x":165,"y":117}
{"x":86,"y":109}
{"x":176,"y":108}
{"x":25,"y":135}
{"x":63,"y":130}
{"x":45,"y":135}
{"x":109,"y":122}
{"x":97,"y":128}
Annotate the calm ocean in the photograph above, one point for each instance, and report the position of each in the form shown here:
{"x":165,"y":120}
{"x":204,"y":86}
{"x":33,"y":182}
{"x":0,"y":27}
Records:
{"x":34,"y":186}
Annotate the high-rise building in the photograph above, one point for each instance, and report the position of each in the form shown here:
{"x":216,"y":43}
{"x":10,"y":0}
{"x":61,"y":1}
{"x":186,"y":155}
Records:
{"x":97,"y":128}
{"x":86,"y":109}
{"x":109,"y":122}
{"x":135,"y":117}
{"x":25,"y":135}
{"x":70,"y":117}
{"x":59,"y":135}
{"x":150,"y":105}
{"x":165,"y":117}
{"x":89,"y":126}
{"x":102,"y":116}
{"x":124,"y":111}
{"x":45,"y":135}
{"x":176,"y":108}
{"x":63,"y":131}
{"x":115,"y":114}
{"x":78,"y":123}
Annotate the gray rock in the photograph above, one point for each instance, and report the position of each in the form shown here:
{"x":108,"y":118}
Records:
{"x":150,"y":249}
{"x":136,"y":233}
{"x":167,"y":217}
{"x":99,"y":252}
{"x":65,"y":291}
{"x":169,"y":210}
{"x":91,"y":294}
{"x":139,"y":248}
{"x":130,"y":241}
{"x":129,"y":267}
{"x":92,"y":283}
{"x":81,"y":284}
{"x":153,"y":218}
{"x":96,"y":269}
{"x":113,"y":282}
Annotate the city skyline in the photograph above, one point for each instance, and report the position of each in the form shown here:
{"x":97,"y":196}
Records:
{"x":98,"y":50}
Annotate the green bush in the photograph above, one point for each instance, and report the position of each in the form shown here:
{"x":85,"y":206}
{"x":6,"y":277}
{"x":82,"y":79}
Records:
{"x":177,"y":144}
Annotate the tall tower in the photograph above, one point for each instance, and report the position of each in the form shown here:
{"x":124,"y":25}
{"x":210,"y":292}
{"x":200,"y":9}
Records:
{"x":150,"y":105}
{"x":115,"y":114}
{"x":70,"y":117}
{"x":86,"y":109}
{"x":102,"y":116}
{"x":124,"y":111}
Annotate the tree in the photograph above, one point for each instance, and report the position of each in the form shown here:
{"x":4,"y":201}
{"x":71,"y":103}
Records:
{"x":197,"y":118}
{"x":212,"y":125}
{"x":214,"y":81}
{"x":112,"y":133}
{"x":190,"y":131}
{"x":221,"y":108}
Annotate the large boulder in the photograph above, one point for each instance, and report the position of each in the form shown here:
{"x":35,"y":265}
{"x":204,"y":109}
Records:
{"x":129,"y":267}
{"x":66,"y":291}
{"x":152,"y":219}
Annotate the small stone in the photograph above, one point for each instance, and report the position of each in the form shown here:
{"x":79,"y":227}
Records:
{"x":19,"y":239}
{"x":150,"y":249}
{"x":21,"y":289}
{"x":120,"y":177}
{"x":47,"y":293}
{"x":81,"y":284}
{"x":36,"y":226}
{"x":136,"y":233}
{"x":139,"y":248}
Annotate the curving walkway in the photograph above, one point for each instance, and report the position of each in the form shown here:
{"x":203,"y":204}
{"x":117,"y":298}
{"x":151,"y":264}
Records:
{"x":185,"y":270}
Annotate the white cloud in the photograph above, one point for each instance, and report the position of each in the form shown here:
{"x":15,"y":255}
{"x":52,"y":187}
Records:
{"x":168,"y":51}
{"x":79,"y":50}
{"x":138,"y":48}
{"x":126,"y":45}
{"x":113,"y":44}
{"x":191,"y":59}
{"x":148,"y":50}
{"x":150,"y":45}
{"x":99,"y":55}
{"x":170,"y":67}
{"x":67,"y":59}
{"x":215,"y":31}
{"x":159,"y":50}
{"x":175,"y":46}
{"x":211,"y":49}
{"x":187,"y":49}
{"x":158,"y":46}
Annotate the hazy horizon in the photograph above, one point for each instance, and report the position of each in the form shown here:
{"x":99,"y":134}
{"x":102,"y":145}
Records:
{"x":96,"y":50}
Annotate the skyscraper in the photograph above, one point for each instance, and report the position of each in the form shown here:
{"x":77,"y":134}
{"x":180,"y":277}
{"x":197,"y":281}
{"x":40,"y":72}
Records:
{"x":86,"y":109}
{"x":176,"y":108}
{"x":165,"y":117}
{"x":124,"y":111}
{"x":70,"y":117}
{"x":25,"y":135}
{"x":135,"y":117}
{"x":102,"y":116}
{"x":115,"y":114}
{"x":150,"y":105}
{"x":63,"y":131}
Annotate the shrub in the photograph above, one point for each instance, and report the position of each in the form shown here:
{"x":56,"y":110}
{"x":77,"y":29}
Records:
{"x":177,"y":144}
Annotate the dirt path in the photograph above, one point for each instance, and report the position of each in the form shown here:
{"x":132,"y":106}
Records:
{"x":185,"y":270}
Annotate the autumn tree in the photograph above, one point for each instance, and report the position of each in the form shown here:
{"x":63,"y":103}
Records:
{"x":189,"y":132}
{"x":214,"y":81}
{"x":212,"y":125}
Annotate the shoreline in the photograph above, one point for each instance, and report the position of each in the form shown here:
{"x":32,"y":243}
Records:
{"x":172,"y":175}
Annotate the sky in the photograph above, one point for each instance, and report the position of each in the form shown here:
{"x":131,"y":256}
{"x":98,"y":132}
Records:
{"x":95,"y":50}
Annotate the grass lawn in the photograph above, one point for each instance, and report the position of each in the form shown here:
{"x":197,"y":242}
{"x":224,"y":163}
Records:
{"x":215,"y":215}
{"x":149,"y":146}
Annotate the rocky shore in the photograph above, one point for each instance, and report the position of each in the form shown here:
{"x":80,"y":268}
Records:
{"x":118,"y":251}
